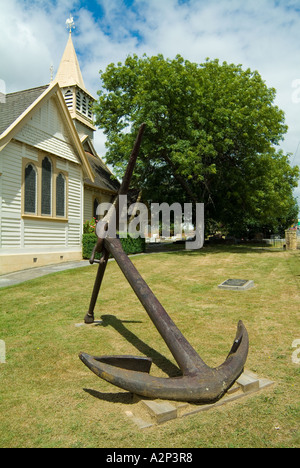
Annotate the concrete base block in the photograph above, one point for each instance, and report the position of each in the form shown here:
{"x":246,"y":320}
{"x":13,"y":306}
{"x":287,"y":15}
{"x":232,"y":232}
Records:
{"x":148,"y":413}
{"x":248,"y":382}
{"x":160,"y":411}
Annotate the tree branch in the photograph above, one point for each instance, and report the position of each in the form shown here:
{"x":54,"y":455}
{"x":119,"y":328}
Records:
{"x":180,"y":179}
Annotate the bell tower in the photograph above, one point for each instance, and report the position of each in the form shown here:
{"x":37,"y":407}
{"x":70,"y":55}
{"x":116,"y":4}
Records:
{"x":78,"y":100}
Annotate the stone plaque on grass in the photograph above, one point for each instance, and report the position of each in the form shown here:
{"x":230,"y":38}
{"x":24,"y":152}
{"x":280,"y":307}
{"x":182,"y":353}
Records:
{"x":237,"y":284}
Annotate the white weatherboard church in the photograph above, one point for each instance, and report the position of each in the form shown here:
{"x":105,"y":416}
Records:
{"x":51,"y":178}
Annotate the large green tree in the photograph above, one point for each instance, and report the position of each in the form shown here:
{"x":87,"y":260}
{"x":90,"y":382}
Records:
{"x":211,"y":136}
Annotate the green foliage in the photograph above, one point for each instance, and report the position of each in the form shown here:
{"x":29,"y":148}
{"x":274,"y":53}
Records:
{"x":133,"y":246}
{"x":211,"y":135}
{"x":89,"y":241}
{"x":130,"y":245}
{"x":89,"y":226}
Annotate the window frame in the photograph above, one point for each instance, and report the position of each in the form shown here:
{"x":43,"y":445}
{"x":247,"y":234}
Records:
{"x":37,"y":164}
{"x":95,"y":200}
{"x":36,"y":189}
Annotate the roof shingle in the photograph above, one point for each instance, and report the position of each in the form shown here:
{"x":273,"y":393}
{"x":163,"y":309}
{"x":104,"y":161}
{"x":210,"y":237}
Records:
{"x":16,"y":103}
{"x":103,"y":178}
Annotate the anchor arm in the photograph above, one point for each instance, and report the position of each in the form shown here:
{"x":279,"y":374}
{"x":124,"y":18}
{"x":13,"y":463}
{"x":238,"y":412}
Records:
{"x":205,"y":386}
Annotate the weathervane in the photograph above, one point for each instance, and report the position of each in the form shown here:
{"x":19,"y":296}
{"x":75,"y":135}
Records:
{"x":70,"y":23}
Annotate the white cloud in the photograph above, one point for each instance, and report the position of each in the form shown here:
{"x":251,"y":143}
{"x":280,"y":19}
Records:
{"x":264,"y":36}
{"x":30,"y":38}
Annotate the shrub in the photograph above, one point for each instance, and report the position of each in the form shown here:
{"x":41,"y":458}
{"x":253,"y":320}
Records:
{"x":133,"y":246}
{"x":89,"y":226}
{"x":88,"y":243}
{"x":130,"y":245}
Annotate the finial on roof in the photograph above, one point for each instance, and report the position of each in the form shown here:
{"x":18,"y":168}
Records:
{"x":70,"y":23}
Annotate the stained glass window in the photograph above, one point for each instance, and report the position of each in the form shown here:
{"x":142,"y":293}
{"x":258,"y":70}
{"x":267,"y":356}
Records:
{"x":30,"y":189}
{"x":95,"y":206}
{"x":60,"y":195}
{"x":46,"y":186}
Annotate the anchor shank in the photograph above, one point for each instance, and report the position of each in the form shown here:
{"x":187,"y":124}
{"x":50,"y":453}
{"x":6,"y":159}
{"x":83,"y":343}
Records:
{"x":102,"y":225}
{"x":132,"y":160}
{"x":123,"y":190}
{"x":187,"y":358}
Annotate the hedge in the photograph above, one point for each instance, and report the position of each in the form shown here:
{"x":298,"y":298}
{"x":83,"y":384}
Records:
{"x":130,"y":245}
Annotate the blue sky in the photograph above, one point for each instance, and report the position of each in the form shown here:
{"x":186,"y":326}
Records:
{"x":263,"y":35}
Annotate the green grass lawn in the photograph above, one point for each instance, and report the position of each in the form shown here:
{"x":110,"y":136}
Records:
{"x":48,"y":398}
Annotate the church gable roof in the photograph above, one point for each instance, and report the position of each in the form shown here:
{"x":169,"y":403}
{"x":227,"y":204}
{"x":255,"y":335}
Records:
{"x":42,"y":95}
{"x":20,"y":118}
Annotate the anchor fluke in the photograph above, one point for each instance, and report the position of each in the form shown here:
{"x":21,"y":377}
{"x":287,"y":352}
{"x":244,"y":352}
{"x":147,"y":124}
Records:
{"x":133,"y":363}
{"x":206,"y":385}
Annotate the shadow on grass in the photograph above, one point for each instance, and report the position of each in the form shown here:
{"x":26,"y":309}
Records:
{"x":158,"y":359}
{"x":120,"y":397}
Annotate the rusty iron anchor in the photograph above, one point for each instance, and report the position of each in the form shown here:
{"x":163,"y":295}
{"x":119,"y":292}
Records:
{"x":199,"y":382}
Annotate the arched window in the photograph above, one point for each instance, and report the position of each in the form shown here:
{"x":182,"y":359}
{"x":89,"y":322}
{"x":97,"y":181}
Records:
{"x":46,"y":186}
{"x":60,"y":195}
{"x":30,"y":189}
{"x":95,"y":206}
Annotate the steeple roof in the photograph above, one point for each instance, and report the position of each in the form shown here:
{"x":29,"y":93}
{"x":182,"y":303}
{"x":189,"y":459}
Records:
{"x":69,"y":73}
